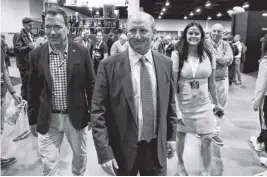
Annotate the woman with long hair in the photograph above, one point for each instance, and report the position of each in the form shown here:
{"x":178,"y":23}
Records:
{"x":195,"y":67}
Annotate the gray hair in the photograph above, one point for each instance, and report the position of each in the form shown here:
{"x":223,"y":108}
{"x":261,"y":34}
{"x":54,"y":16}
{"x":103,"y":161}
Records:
{"x":141,"y":14}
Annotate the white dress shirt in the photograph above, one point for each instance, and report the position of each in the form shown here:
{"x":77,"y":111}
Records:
{"x":135,"y":64}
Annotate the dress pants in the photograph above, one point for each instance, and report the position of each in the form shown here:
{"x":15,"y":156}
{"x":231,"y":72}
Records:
{"x":231,"y":73}
{"x":24,"y":75}
{"x":222,"y":92}
{"x":49,"y":145}
{"x":146,"y":161}
{"x":262,"y":138}
{"x":237,"y":68}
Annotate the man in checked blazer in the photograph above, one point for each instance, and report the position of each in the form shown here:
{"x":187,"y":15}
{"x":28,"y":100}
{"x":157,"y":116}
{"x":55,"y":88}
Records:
{"x":60,"y":90}
{"x":133,"y":107}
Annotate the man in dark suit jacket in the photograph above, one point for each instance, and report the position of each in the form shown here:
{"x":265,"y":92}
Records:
{"x":60,"y":91}
{"x":86,"y":41}
{"x":133,"y":107}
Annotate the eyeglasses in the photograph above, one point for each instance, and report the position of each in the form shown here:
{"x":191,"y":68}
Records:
{"x":56,"y":28}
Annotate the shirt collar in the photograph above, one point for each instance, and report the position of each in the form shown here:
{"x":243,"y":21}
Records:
{"x":135,"y":57}
{"x":215,"y":44}
{"x":65,"y":50}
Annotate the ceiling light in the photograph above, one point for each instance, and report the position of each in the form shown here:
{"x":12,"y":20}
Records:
{"x":91,"y":9}
{"x":208,"y":4}
{"x":191,"y":14}
{"x":264,"y":14}
{"x":161,"y":13}
{"x":97,"y":12}
{"x":163,"y":9}
{"x":245,"y":5}
{"x":185,"y":17}
{"x":219,"y":14}
{"x":167,"y":4}
{"x":159,"y":17}
{"x":198,"y":10}
{"x":209,"y":18}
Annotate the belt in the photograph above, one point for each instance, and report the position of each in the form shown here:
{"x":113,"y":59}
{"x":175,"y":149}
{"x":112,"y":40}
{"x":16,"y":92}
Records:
{"x":65,"y":111}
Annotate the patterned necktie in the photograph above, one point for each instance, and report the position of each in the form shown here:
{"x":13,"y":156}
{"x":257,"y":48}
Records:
{"x":147,"y":101}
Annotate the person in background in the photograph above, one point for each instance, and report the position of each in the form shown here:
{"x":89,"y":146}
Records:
{"x":231,"y":68}
{"x":41,"y":38}
{"x":86,"y":41}
{"x":194,"y":74}
{"x":7,"y":51}
{"x":120,"y":45}
{"x":159,"y":45}
{"x":100,"y":50}
{"x":6,"y":85}
{"x":259,"y":103}
{"x":133,"y":117}
{"x":238,"y":44}
{"x":169,"y":47}
{"x":23,"y":44}
{"x":223,"y":55}
{"x":110,"y":41}
{"x":60,"y":90}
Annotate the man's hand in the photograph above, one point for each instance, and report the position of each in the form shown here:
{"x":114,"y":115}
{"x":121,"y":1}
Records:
{"x":33,"y":130}
{"x":31,"y":45}
{"x":109,"y":167}
{"x":171,"y":148}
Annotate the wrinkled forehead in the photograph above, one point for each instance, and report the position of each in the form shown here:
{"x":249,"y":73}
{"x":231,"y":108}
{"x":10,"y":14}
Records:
{"x":139,"y":20}
{"x":58,"y":18}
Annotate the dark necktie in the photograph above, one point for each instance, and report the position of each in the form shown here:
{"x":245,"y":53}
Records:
{"x":147,"y":101}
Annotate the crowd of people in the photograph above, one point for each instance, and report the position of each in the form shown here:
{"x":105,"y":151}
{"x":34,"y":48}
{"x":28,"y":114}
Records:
{"x":140,"y":95}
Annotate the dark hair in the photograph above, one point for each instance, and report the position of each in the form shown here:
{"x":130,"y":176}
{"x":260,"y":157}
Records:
{"x":55,"y":11}
{"x":41,"y":33}
{"x":182,"y":46}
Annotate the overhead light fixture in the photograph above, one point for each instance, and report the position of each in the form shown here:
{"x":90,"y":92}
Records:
{"x":245,"y":5}
{"x":167,"y":3}
{"x":219,"y":14}
{"x":198,"y":10}
{"x":209,"y":18}
{"x":191,"y":14}
{"x":264,"y":14}
{"x":97,"y":12}
{"x":161,"y":13}
{"x":164,"y":9}
{"x":91,"y":9}
{"x":208,"y":4}
{"x":159,"y":17}
{"x":185,"y":17}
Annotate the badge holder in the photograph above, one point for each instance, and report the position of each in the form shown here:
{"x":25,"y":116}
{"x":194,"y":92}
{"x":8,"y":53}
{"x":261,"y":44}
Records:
{"x":194,"y":84}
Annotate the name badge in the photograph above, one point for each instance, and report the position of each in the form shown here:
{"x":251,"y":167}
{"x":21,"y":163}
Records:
{"x":194,"y":85}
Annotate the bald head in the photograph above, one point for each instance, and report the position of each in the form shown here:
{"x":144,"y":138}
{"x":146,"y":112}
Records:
{"x":140,"y":28}
{"x":217,"y":26}
{"x":139,"y":16}
{"x":122,"y":39}
{"x":216,"y":32}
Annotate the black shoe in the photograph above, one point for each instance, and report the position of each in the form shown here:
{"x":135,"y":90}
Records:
{"x":217,"y":140}
{"x":9,"y":161}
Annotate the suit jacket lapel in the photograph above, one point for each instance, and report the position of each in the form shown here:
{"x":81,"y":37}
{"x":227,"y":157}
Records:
{"x":46,"y":66}
{"x":73,"y":59}
{"x":162,"y":79}
{"x":126,"y":81}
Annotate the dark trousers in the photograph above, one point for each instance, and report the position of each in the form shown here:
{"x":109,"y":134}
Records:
{"x":231,"y":73}
{"x":146,"y":161}
{"x":24,"y":75}
{"x":262,"y":138}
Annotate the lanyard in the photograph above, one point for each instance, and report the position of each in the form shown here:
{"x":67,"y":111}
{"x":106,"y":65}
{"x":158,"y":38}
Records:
{"x":194,"y":67}
{"x":98,"y":47}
